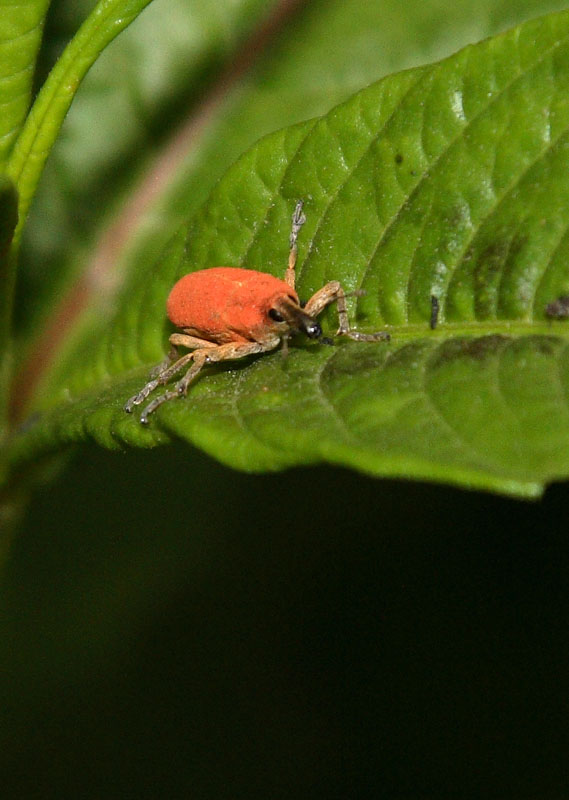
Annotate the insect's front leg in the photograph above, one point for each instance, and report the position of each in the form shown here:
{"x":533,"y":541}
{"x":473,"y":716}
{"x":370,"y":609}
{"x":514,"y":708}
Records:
{"x":333,"y":292}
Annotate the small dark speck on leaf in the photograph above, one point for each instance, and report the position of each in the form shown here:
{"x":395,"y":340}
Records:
{"x":435,"y":306}
{"x":477,"y":349}
{"x":558,"y":309}
{"x":398,"y":158}
{"x":545,"y":345}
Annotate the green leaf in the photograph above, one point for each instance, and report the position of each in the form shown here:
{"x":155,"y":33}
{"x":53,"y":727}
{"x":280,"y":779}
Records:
{"x":20,"y":27}
{"x":20,"y":36}
{"x":143,"y":85}
{"x":107,"y":20}
{"x":448,"y":180}
{"x":156,"y":76}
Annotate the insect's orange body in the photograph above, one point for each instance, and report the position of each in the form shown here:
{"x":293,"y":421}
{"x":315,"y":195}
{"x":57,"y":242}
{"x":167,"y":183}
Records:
{"x":226,"y":313}
{"x":226,"y":304}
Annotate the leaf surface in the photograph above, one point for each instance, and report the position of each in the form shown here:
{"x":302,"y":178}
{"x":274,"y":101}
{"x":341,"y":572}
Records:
{"x":448,"y":180}
{"x":157,"y":74}
{"x":21,"y":27}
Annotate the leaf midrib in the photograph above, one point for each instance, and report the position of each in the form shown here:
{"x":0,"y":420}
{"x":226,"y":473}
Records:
{"x":476,"y":329}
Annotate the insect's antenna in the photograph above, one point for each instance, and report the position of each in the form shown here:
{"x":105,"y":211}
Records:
{"x":298,"y":220}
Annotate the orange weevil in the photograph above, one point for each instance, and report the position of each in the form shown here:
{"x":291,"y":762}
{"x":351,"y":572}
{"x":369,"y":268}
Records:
{"x":226,"y":313}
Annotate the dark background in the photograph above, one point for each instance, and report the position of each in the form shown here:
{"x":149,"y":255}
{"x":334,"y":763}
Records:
{"x":174,"y":629}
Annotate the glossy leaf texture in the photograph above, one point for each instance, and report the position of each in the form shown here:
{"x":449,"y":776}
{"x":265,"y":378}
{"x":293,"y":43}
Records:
{"x":449,"y":180}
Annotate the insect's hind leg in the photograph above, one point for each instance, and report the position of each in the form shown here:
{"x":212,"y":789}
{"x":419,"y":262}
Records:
{"x":163,"y":377}
{"x":167,"y":368}
{"x":206,"y":355}
{"x":199,"y":359}
{"x":172,"y":356}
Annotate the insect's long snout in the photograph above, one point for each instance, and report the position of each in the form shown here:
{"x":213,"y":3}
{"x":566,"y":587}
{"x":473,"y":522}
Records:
{"x":298,"y":319}
{"x":311,"y":327}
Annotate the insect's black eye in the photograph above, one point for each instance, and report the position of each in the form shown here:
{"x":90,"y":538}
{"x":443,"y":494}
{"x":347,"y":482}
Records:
{"x":274,"y":314}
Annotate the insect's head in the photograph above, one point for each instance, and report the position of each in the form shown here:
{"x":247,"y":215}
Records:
{"x":290,"y":316}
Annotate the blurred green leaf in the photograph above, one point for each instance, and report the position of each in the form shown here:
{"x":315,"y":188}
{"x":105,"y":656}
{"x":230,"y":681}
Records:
{"x":137,"y":91}
{"x":34,"y":142}
{"x":8,"y":218}
{"x":447,"y":180}
{"x":21,"y":27}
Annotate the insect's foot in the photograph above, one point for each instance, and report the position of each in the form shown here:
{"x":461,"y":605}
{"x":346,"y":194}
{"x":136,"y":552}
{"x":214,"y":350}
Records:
{"x":131,"y":403}
{"x":156,"y":403}
{"x":141,"y":396}
{"x":379,"y":336}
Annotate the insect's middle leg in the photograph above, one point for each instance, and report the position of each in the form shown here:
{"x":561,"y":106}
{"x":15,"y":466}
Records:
{"x":333,"y":292}
{"x":223,"y":352}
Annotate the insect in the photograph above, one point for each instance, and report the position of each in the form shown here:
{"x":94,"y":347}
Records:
{"x":227,"y":313}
